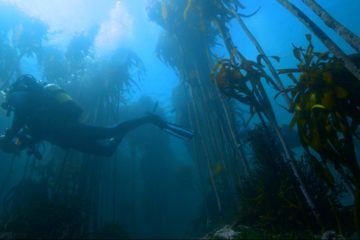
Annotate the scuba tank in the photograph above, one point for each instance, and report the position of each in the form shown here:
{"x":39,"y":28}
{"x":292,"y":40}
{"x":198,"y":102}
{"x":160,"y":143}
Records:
{"x":57,"y":93}
{"x":65,"y":104}
{"x":23,"y":84}
{"x":46,"y":94}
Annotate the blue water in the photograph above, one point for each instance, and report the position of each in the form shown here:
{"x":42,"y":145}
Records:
{"x":163,"y":196}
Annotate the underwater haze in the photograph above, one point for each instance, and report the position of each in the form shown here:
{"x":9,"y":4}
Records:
{"x":180,"y":119}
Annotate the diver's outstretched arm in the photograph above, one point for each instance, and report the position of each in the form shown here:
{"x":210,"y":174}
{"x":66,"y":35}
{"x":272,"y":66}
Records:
{"x":118,"y":132}
{"x":123,"y":128}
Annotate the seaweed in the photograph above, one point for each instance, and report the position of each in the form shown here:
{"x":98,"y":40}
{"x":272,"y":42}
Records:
{"x":270,"y":198}
{"x":242,"y":82}
{"x":186,"y":45}
{"x":32,"y":212}
{"x":325,"y":108}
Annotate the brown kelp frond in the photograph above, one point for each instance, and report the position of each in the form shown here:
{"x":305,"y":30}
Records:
{"x":326,"y":110}
{"x":270,"y":197}
{"x":242,"y":81}
{"x":214,"y":10}
{"x":323,"y":99}
{"x":32,"y":212}
{"x":234,"y":12}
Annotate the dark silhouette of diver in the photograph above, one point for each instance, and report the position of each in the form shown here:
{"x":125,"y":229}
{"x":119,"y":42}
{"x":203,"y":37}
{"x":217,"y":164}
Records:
{"x":45,"y":112}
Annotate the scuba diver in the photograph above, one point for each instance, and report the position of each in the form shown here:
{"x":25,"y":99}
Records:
{"x":45,"y":112}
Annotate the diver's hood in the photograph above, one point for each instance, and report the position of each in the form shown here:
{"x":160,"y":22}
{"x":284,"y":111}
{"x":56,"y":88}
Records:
{"x":23,"y":84}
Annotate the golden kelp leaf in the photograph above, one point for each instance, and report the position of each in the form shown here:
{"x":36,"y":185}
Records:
{"x":216,"y":68}
{"x":328,"y":78}
{"x":164,"y":10}
{"x":341,"y":93}
{"x":311,"y":101}
{"x":297,"y":53}
{"x":318,"y":106}
{"x":297,"y":108}
{"x":187,"y":8}
{"x":309,"y":55}
{"x":308,"y":101}
{"x":301,"y":66}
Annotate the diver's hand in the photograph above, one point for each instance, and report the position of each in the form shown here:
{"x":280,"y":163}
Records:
{"x":156,"y":120}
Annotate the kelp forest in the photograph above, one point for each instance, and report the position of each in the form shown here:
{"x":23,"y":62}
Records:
{"x":275,"y":152}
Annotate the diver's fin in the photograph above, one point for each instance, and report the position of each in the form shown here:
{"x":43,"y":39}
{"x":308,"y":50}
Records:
{"x":178,"y":131}
{"x":171,"y":128}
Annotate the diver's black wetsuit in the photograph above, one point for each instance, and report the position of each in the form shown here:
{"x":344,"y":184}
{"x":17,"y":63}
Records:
{"x":44,"y":120}
{"x":93,"y":139}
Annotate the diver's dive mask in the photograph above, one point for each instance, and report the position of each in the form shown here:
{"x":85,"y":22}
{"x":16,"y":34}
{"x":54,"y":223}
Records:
{"x":24,"y":83}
